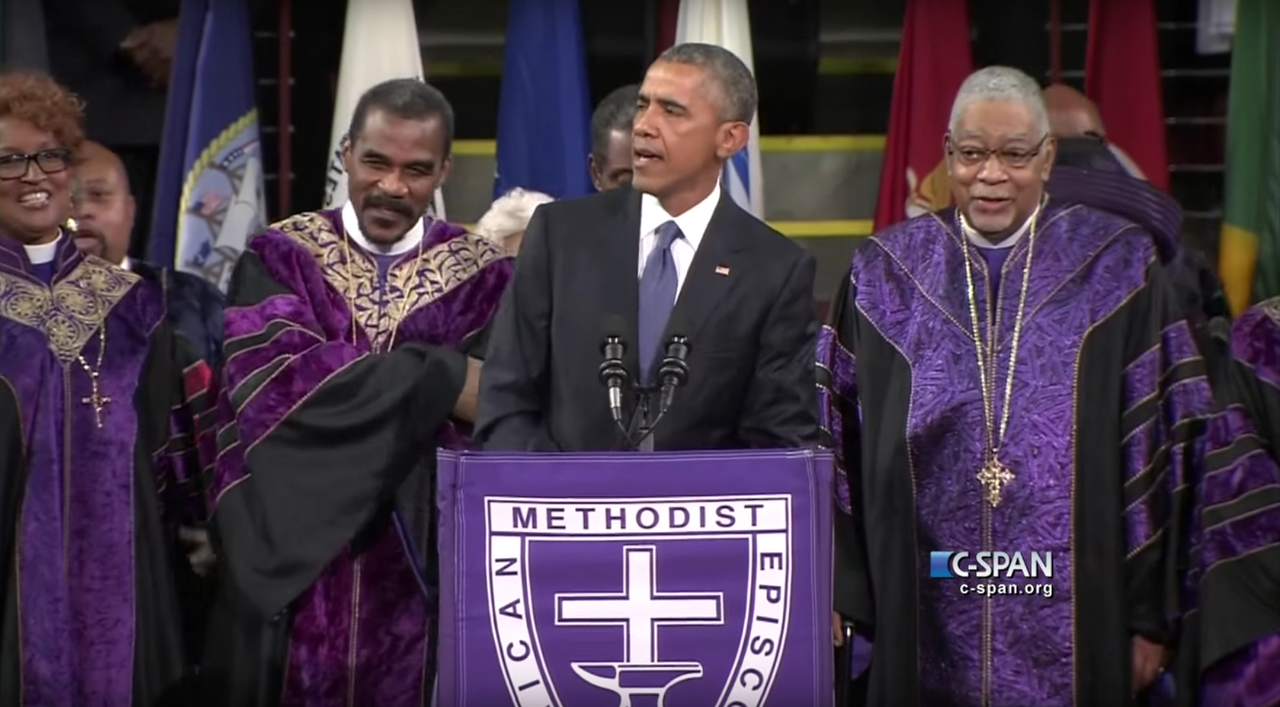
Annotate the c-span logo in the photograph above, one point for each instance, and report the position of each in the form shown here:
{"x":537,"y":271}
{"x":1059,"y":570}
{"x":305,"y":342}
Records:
{"x":674,"y":602}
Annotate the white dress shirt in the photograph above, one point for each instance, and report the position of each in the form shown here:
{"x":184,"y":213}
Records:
{"x":692,"y":223}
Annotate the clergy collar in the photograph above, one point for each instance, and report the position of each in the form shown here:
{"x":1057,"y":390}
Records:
{"x":126,"y":264}
{"x":351,"y":225}
{"x":693,"y":223}
{"x":44,"y":252}
{"x":980,"y":241}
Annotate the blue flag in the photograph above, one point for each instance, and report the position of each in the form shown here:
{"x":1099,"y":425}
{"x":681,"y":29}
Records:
{"x":210,"y":196}
{"x":544,"y":113}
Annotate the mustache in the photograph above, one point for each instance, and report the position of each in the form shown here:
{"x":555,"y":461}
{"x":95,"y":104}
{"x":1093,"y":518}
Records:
{"x":382,"y":201}
{"x":99,"y":239}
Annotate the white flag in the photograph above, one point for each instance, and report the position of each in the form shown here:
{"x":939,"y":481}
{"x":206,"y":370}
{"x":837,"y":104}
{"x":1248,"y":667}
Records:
{"x":1215,"y":26}
{"x":379,"y":43}
{"x":726,"y":23}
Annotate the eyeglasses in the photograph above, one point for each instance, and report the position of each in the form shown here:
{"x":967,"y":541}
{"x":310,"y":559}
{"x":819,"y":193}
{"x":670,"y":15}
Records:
{"x":49,"y":162}
{"x":1010,"y":157}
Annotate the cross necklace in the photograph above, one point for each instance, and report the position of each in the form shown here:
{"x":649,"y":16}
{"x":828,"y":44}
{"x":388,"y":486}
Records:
{"x":96,"y":398}
{"x":994,"y":475}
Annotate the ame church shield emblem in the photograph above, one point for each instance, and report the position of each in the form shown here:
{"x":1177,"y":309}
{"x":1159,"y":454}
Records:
{"x":673,"y":580}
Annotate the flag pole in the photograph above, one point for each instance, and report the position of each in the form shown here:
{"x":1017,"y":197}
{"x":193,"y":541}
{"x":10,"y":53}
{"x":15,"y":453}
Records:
{"x":284,"y":122}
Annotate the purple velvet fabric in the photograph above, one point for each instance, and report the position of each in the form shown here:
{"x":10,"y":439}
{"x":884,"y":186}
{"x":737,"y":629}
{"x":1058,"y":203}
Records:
{"x":910,"y":286}
{"x":1249,"y":677}
{"x":75,"y":565}
{"x":368,"y":611}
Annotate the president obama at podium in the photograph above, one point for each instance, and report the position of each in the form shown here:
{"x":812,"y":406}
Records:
{"x":660,"y":316}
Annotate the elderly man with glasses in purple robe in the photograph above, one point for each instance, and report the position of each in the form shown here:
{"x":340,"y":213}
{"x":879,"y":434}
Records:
{"x":1011,"y":375}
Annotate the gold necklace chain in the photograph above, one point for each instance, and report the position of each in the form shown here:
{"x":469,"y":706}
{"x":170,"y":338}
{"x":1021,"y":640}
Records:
{"x":351,"y":292}
{"x":994,"y":474}
{"x":96,"y":398}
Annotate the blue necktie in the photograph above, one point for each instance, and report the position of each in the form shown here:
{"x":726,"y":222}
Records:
{"x":657,"y":296}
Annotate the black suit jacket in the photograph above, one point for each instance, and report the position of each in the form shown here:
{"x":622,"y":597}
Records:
{"x":746,"y":306}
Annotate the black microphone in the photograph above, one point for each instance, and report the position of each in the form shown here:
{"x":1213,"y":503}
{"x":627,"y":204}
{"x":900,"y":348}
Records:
{"x":613,"y":372}
{"x":674,"y":369}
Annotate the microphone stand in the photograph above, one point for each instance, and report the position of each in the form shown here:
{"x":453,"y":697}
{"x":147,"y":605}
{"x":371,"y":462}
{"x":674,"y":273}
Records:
{"x":674,"y":372}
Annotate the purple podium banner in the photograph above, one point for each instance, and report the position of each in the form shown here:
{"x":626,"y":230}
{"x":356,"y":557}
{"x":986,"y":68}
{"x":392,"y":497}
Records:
{"x":697,"y":579}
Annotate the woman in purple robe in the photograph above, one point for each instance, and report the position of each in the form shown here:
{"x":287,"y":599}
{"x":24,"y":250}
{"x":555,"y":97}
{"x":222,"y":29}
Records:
{"x":351,"y":354}
{"x":98,"y":396}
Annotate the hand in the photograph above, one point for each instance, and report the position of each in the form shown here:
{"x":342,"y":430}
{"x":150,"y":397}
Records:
{"x":152,"y":48}
{"x":469,"y":399}
{"x":837,"y":629}
{"x":199,"y":550}
{"x":1148,"y":662}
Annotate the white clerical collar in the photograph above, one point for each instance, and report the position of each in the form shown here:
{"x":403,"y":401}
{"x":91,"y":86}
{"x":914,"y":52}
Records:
{"x":980,"y":241}
{"x":352,"y":226}
{"x":126,"y":264}
{"x":693,"y":223}
{"x":43,"y":253}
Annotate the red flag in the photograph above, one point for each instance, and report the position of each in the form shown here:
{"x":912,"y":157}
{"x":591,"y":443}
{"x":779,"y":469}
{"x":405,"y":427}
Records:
{"x":668,"y":16}
{"x":933,"y":61}
{"x":1122,"y":75}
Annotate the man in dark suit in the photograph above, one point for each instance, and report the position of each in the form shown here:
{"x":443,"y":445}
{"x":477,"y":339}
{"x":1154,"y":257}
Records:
{"x":742,"y":292}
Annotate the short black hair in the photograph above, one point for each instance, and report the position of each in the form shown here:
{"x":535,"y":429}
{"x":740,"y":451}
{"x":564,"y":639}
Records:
{"x":409,"y":99}
{"x":616,"y":112}
{"x":735,"y":79}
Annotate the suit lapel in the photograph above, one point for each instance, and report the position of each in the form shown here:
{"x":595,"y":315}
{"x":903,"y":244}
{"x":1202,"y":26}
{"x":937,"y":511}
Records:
{"x":621,"y":261}
{"x":716,"y":265}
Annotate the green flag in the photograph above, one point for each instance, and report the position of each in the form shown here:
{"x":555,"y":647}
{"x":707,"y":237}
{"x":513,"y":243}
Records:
{"x":1249,"y":252}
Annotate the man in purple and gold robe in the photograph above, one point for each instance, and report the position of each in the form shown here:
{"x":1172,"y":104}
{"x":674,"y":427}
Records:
{"x":99,"y":403}
{"x":351,"y":354}
{"x":1012,"y":375}
{"x":1234,"y":586}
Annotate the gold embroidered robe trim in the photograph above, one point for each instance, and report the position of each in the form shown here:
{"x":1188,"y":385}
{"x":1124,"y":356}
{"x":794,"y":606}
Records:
{"x":443,"y":267}
{"x":1271,"y":308}
{"x":70,"y":312}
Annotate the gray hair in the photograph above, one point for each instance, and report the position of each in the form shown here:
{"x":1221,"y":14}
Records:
{"x":510,"y":214}
{"x":1001,"y":83}
{"x":735,"y":79}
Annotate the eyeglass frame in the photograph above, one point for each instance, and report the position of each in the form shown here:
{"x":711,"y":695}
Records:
{"x":999,"y":154}
{"x":26,"y":160}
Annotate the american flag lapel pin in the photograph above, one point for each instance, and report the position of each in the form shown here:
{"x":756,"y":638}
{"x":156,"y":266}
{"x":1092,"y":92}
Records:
{"x":722,"y":270}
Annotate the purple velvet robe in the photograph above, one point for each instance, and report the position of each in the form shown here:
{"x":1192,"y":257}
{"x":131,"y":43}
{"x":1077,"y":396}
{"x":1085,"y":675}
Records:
{"x":88,"y":512}
{"x":1108,"y":391}
{"x":324,"y":480}
{"x":1234,"y":586}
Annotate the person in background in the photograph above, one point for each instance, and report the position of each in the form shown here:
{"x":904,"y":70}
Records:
{"x":1236,"y":556}
{"x":101,"y":403}
{"x":610,"y":158}
{"x":350,"y":358}
{"x":117,"y":55}
{"x":105,"y":212}
{"x":505,"y":221}
{"x":1090,"y":171}
{"x":1012,"y":374}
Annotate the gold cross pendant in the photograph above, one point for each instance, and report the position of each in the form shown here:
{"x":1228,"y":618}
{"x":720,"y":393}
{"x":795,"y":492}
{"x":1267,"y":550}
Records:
{"x":993,"y":477}
{"x":96,"y":399}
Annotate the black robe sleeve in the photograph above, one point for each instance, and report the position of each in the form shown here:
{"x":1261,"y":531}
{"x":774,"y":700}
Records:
{"x":841,"y":429}
{"x":315,"y":436}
